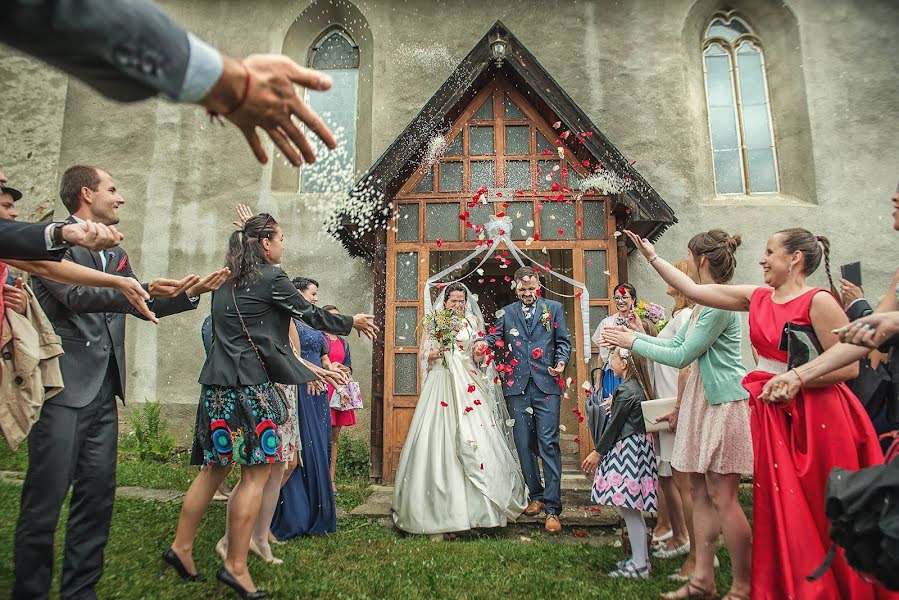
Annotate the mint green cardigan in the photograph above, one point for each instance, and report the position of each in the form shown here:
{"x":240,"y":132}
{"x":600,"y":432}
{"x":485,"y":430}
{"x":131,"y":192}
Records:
{"x":715,"y":341}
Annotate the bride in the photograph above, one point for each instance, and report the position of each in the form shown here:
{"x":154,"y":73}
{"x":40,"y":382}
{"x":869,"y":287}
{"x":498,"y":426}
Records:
{"x":458,"y":469}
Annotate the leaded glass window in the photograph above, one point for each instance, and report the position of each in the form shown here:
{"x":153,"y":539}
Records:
{"x":743,"y":151}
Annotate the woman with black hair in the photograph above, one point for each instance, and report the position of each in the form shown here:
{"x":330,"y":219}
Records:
{"x":240,"y":408}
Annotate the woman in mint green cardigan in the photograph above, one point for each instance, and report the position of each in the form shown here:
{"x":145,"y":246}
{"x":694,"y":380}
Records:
{"x":712,"y":441}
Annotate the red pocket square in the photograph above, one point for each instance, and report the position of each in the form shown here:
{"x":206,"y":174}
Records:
{"x":123,"y":264}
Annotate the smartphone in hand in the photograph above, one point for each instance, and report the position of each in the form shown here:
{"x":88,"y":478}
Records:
{"x":852,"y":273}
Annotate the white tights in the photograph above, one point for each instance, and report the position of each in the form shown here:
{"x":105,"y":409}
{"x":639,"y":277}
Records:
{"x":636,"y":533}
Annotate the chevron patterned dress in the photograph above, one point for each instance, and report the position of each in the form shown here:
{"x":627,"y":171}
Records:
{"x":627,"y":475}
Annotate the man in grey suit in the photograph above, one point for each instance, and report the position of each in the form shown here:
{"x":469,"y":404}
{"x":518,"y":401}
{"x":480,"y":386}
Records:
{"x":74,"y":441}
{"x":132,"y":51}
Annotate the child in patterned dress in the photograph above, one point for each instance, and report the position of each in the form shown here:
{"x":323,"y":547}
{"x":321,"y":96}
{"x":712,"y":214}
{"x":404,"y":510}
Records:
{"x":627,"y":474}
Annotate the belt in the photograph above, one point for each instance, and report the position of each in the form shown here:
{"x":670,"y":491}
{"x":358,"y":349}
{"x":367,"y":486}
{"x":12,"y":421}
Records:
{"x":772,"y":366}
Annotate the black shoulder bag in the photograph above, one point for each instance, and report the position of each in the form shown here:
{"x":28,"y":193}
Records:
{"x":277,"y":395}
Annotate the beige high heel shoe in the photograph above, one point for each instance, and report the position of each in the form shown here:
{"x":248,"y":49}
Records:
{"x":221,"y":549}
{"x":254,"y":548}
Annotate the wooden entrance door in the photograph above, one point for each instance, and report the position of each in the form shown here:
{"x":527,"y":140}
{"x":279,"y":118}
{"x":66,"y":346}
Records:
{"x":499,"y":142}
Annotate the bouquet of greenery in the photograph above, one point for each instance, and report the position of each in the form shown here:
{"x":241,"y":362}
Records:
{"x":442,"y":326}
{"x":653,"y":313}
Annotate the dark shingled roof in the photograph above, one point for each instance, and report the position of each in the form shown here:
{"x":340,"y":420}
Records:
{"x":640,"y":207}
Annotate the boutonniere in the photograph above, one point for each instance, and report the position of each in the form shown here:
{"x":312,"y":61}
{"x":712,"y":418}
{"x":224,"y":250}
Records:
{"x":123,"y":264}
{"x":546,"y":319}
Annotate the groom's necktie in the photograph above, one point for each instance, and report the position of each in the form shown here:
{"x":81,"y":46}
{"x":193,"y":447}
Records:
{"x":527,"y":312}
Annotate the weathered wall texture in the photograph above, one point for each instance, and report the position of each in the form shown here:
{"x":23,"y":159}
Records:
{"x":633,"y":66}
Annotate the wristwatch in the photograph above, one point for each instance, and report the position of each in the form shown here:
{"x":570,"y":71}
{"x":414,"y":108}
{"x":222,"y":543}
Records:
{"x":56,"y":236}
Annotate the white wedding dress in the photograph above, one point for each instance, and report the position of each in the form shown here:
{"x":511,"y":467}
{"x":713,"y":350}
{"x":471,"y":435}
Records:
{"x":458,"y":469}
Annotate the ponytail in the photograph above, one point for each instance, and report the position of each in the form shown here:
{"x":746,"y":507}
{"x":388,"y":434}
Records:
{"x":825,"y":246}
{"x":813,"y":248}
{"x":245,"y":252}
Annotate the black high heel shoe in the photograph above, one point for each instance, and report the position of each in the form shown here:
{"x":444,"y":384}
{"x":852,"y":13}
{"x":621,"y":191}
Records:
{"x":171,"y":560}
{"x":226,"y":578}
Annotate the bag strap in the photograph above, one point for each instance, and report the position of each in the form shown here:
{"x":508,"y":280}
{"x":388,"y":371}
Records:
{"x":249,"y":337}
{"x":828,"y":559}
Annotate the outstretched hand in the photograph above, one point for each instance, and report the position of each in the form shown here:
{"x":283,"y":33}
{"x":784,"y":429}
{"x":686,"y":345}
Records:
{"x":642,"y":244}
{"x":270,"y":101}
{"x":557,"y":370}
{"x":91,"y":235}
{"x":136,"y":295}
{"x":169,"y":288}
{"x":365,"y":324}
{"x":243,"y":214}
{"x":622,"y":337}
{"x":210,"y":283}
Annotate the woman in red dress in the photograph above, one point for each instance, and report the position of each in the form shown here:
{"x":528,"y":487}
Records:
{"x":795,"y":444}
{"x":339,"y":357}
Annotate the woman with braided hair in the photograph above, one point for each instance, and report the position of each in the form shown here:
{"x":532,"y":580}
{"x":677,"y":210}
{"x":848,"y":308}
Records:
{"x":796,"y":443}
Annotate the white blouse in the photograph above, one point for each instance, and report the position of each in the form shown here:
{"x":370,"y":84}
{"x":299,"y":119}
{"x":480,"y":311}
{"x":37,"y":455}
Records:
{"x":664,"y":378}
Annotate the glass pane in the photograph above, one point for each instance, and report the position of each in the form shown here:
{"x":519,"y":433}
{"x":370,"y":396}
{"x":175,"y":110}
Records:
{"x":548,"y":174}
{"x":335,"y":52}
{"x":426,"y":183}
{"x":455,"y":147}
{"x":407,"y":276}
{"x":407,"y":223}
{"x":442,"y":221}
{"x":719,"y":84}
{"x":405,"y":374}
{"x":481,"y":141}
{"x":334,"y":171}
{"x":544,"y":145}
{"x":450,"y":176}
{"x":406,"y":326}
{"x":486,"y":110}
{"x":762,"y":172}
{"x":512,"y":110}
{"x":478,"y":215}
{"x":728,"y":172}
{"x":727,"y":30}
{"x":518,"y":174}
{"x":594,"y":220}
{"x":597,"y":314}
{"x":482,"y":174}
{"x":724,"y":128}
{"x":751,"y":75}
{"x":575,"y":182}
{"x":756,"y":127}
{"x":518,"y":139}
{"x":556,"y":217}
{"x":595,"y":269}
{"x":521,"y":214}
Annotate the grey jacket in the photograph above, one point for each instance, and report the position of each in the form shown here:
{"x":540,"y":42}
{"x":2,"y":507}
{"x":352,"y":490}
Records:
{"x":125,"y":50}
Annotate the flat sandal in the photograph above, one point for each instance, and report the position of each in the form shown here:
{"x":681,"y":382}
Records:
{"x":703,"y":594}
{"x":735,"y":596}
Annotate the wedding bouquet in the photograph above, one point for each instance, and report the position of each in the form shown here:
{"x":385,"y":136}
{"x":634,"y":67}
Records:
{"x":442,"y":326}
{"x":653,"y":313}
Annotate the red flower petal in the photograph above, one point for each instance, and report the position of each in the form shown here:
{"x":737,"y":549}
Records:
{"x":577,"y":440}
{"x":471,"y":387}
{"x":477,"y":402}
{"x":514,"y":361}
{"x":555,"y":186}
{"x":439,"y":242}
{"x":468,"y":409}
{"x":561,"y":231}
{"x":557,"y":124}
{"x":564,"y":135}
{"x":586,"y":163}
{"x":578,"y":223}
{"x":492,"y":329}
{"x":500,"y":343}
{"x":537,"y":353}
{"x":443,"y":404}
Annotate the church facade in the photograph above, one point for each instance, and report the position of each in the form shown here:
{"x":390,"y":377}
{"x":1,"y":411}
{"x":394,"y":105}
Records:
{"x":750,"y":116}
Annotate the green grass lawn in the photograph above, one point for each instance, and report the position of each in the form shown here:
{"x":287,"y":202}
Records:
{"x":362,"y":560}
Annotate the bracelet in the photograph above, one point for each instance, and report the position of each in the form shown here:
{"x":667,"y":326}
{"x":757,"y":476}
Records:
{"x":654,"y":258}
{"x":243,"y":98}
{"x":801,"y":381}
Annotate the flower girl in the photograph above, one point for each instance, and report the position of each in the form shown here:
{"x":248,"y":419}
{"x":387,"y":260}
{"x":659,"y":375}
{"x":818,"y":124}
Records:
{"x":626,"y":476}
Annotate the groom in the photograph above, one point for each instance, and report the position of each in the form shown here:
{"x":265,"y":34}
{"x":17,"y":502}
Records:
{"x":534,"y":333}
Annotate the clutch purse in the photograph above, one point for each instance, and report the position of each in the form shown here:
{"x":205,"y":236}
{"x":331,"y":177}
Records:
{"x":350,"y":399}
{"x":800,"y":343}
{"x":653,"y":409}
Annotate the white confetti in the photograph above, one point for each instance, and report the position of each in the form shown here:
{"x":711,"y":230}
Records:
{"x":544,"y":250}
{"x":529,"y":410}
{"x":569,"y":381}
{"x":561,"y":154}
{"x":499,"y":314}
{"x":514,"y":332}
{"x":617,"y":234}
{"x":562,"y":428}
{"x":586,"y":385}
{"x":529,"y":241}
{"x":510,"y":422}
{"x":480,"y":272}
{"x":529,"y":224}
{"x":606,"y":273}
{"x":524,"y":232}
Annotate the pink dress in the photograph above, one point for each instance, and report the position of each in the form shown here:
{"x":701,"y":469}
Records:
{"x":340,"y":418}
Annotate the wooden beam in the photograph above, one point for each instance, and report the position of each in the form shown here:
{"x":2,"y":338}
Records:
{"x":376,"y":405}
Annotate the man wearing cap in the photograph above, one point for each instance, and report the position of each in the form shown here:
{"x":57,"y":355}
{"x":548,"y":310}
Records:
{"x":14,"y":297}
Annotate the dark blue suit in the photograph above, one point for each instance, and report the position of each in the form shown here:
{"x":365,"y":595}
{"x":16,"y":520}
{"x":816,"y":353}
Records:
{"x":530,"y":386}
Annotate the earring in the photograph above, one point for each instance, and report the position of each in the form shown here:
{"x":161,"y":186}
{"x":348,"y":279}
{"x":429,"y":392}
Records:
{"x":790,"y":270}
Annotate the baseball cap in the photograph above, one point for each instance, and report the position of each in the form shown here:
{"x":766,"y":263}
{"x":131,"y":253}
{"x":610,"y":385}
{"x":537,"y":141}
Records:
{"x":16,"y":194}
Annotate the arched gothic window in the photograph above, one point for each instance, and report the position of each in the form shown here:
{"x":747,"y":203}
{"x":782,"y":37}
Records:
{"x":336,"y":54}
{"x":739,"y":110}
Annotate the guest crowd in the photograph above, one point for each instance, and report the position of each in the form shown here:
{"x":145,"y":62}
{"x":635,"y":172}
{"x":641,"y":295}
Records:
{"x":277,"y":374}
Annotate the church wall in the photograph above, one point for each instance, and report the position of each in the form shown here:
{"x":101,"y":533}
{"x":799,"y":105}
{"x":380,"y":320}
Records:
{"x":631,"y":66}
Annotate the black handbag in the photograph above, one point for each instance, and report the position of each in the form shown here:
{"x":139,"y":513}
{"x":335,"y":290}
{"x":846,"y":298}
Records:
{"x":278,"y":406}
{"x":800,"y":343}
{"x":873,"y":387}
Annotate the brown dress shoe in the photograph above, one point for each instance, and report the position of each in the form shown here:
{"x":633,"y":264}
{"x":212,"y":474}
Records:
{"x":553,"y":525}
{"x":534,"y":508}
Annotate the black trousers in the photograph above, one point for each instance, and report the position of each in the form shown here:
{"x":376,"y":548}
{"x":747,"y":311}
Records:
{"x":68,"y":447}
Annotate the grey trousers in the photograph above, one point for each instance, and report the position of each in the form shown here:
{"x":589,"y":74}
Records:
{"x":68,"y":447}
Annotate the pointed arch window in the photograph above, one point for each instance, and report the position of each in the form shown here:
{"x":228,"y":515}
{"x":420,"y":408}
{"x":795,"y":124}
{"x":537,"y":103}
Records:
{"x":743,"y":151}
{"x":336,"y":54}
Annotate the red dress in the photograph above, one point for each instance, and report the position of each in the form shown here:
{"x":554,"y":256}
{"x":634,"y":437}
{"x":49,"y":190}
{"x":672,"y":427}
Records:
{"x":336,"y":353}
{"x":795,"y":446}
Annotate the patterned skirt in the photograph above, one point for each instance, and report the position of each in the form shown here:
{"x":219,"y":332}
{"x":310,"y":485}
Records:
{"x":627,"y":475}
{"x":238,"y":425}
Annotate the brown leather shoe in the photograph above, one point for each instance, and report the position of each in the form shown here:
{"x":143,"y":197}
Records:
{"x":553,"y":525}
{"x":534,"y":508}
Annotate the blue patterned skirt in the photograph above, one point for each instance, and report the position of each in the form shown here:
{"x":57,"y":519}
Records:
{"x":237,"y":425}
{"x":627,"y":475}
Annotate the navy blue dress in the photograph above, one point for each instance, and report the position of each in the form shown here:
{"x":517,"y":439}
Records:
{"x":306,"y":505}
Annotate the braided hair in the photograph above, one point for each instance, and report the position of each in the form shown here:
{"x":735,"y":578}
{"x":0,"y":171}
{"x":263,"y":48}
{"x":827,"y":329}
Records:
{"x":813,"y":248}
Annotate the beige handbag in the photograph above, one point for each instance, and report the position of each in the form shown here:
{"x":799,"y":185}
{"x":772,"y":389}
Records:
{"x":653,"y":409}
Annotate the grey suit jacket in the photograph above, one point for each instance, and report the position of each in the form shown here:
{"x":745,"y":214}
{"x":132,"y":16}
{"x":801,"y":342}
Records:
{"x":25,"y":241}
{"x":91,"y":323}
{"x":125,"y":50}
